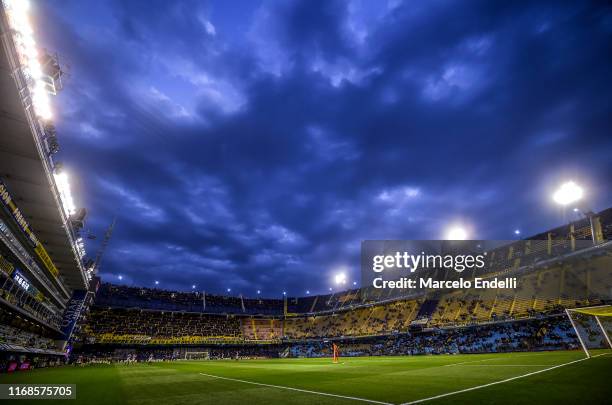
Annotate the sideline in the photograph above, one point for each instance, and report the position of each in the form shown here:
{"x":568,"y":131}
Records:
{"x":507,"y":365}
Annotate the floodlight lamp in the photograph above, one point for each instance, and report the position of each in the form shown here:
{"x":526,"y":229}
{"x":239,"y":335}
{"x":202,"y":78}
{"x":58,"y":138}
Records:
{"x":340,"y":278}
{"x":569,"y":192}
{"x":456,"y":233}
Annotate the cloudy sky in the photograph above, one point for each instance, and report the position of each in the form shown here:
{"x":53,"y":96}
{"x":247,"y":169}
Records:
{"x":253,"y":145}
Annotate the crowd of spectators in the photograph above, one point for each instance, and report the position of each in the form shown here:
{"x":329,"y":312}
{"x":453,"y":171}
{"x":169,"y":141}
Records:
{"x":92,"y":354}
{"x":13,"y":336}
{"x":262,"y":328}
{"x":345,"y":314}
{"x":14,"y":330}
{"x":362,"y":321}
{"x":552,"y":333}
{"x":117,"y":325}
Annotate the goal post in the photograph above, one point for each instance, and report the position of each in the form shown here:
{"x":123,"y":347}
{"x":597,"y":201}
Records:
{"x":593,"y":327}
{"x":189,"y":355}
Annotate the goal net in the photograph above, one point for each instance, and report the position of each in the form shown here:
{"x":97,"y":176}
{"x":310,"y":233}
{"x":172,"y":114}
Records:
{"x":593,"y":327}
{"x":197,"y":355}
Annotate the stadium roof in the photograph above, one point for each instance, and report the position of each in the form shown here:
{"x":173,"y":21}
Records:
{"x":27,"y":172}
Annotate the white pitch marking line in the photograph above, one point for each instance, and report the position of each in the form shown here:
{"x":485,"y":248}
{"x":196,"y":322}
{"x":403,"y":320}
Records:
{"x":506,"y":365}
{"x":297,"y":389}
{"x":473,"y":361}
{"x":499,"y":382}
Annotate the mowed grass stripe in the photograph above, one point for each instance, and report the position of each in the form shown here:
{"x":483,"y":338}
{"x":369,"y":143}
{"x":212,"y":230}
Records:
{"x":388,"y":381}
{"x":419,"y":374}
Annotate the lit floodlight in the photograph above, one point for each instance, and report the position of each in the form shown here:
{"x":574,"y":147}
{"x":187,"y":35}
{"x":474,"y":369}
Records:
{"x":63,"y":186}
{"x":340,"y":278}
{"x":456,"y":233}
{"x":120,"y":277}
{"x":156,"y":282}
{"x":258,"y":291}
{"x":284,"y":292}
{"x":307,"y":292}
{"x":193,"y":287}
{"x":25,"y":45}
{"x":517,"y":232}
{"x":229,"y":290}
{"x":568,"y":193}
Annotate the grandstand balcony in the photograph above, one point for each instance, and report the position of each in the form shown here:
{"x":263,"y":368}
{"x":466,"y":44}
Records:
{"x":19,"y":333}
{"x":16,"y":299}
{"x":13,"y":252}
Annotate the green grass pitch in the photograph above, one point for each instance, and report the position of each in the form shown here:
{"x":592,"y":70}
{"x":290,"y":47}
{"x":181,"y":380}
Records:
{"x":391,"y":380}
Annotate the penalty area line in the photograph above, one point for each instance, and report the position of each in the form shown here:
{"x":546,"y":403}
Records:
{"x":297,"y":389}
{"x":499,"y":382}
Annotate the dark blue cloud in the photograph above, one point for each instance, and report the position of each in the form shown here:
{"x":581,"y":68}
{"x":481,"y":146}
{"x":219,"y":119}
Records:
{"x":254,"y":147}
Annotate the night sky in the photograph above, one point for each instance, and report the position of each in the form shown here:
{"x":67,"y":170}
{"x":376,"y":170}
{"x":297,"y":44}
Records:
{"x":253,"y":145}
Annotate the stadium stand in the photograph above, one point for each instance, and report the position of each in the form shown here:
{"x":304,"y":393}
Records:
{"x":130,"y":321}
{"x":43,"y":277}
{"x":153,"y":324}
{"x":145,"y":326}
{"x":365,"y":321}
{"x":262,"y":329}
{"x":553,"y":333}
{"x":151,"y":298}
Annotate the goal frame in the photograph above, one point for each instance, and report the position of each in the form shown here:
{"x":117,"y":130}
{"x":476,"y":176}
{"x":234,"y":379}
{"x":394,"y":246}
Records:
{"x":205,"y":353}
{"x":569,"y":311}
